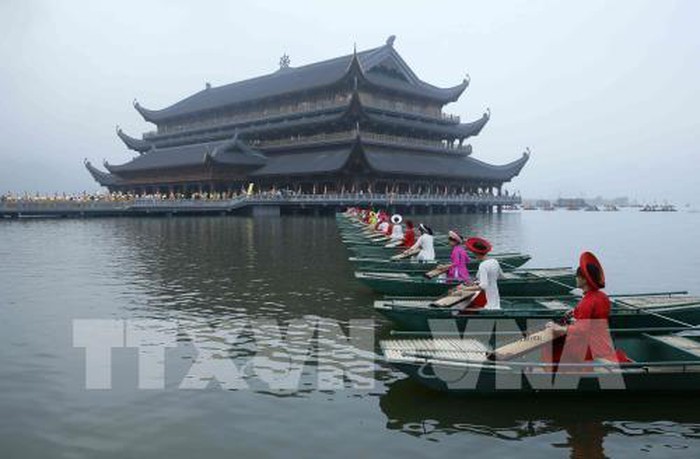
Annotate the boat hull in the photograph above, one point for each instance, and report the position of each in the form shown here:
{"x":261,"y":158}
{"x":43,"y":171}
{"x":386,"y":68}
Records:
{"x":387,"y":284}
{"x":492,"y":381}
{"x":522,"y":312}
{"x":508,"y":262}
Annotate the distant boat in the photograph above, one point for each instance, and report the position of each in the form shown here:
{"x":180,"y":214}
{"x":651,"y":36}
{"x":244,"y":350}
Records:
{"x":611,"y":208}
{"x":659,"y":208}
{"x":592,"y":209}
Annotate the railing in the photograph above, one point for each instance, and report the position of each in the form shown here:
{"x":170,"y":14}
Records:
{"x":260,"y":115}
{"x":435,"y":144}
{"x":371,"y":136}
{"x":301,"y":108}
{"x":400,"y":107}
{"x":156,"y":204}
{"x":299,"y":140}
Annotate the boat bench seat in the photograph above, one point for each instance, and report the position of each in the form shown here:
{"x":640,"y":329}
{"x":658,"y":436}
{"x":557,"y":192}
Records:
{"x":658,"y":301}
{"x":438,"y":348}
{"x":680,"y":342}
{"x":555,"y":305}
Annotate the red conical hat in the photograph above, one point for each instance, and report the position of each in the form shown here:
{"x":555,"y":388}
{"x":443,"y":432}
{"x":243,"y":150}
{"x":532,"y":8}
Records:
{"x":587,"y":263}
{"x":478,"y":245}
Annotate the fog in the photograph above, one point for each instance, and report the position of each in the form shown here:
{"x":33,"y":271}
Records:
{"x":605,"y":94}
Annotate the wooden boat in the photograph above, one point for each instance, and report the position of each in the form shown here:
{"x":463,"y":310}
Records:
{"x":661,"y":363}
{"x":628,"y":311}
{"x":373,"y":251}
{"x":378,"y":240}
{"x":508,"y":262}
{"x":525,"y":282}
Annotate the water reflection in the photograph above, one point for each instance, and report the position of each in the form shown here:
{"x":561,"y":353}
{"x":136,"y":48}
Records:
{"x":283,"y":268}
{"x":586,"y":422}
{"x":206,"y":276}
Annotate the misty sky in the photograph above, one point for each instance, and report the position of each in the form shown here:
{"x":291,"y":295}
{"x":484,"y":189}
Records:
{"x":605,"y":93}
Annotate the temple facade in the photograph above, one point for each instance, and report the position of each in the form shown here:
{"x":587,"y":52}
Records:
{"x":361,"y":122}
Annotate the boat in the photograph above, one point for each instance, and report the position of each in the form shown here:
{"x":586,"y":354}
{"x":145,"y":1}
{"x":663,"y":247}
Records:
{"x":661,"y":362}
{"x":628,"y":311}
{"x":521,"y":282}
{"x":659,"y":208}
{"x":379,"y":241}
{"x":508,"y":262}
{"x":372,"y":251}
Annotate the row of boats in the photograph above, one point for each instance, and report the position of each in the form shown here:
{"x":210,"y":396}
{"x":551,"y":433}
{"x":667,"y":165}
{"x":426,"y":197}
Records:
{"x":456,"y":350}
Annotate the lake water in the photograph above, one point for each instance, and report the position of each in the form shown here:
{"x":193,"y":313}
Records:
{"x":199,"y":280}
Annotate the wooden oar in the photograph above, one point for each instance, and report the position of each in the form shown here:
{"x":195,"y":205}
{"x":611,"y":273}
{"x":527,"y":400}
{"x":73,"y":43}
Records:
{"x":617,"y":301}
{"x":656,"y":314}
{"x":522,"y":346}
{"x":403,"y":255}
{"x":549,"y":279}
{"x":433,"y":273}
{"x":454,"y":299}
{"x":383,"y":237}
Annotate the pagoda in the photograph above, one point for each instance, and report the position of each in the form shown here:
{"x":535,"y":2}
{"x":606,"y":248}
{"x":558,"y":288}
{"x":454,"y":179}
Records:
{"x":360,"y":122}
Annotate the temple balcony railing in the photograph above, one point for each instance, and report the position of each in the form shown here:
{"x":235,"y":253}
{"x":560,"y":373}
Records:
{"x":306,"y":140}
{"x":416,"y":142}
{"x":300,"y":109}
{"x":388,"y":198}
{"x":160,"y":203}
{"x":398,"y":107}
{"x":280,"y":197}
{"x":371,"y":137}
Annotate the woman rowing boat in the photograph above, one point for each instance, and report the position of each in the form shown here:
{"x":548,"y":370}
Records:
{"x":396,"y":233}
{"x":423,"y":248}
{"x":486,"y":284}
{"x":459,"y":259}
{"x":409,"y":236}
{"x":585,"y":335}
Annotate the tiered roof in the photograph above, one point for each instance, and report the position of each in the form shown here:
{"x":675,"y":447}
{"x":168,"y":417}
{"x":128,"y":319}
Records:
{"x":236,"y":144}
{"x":289,"y":80}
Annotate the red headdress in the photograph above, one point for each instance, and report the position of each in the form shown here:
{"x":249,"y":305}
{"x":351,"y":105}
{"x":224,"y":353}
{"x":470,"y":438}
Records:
{"x":592,"y":271}
{"x":478,"y":245}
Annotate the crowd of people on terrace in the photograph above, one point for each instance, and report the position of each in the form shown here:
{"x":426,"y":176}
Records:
{"x":88,"y":197}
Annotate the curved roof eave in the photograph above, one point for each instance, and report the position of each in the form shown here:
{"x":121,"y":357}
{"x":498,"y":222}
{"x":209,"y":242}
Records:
{"x":463,"y":131}
{"x":103,"y":178}
{"x":396,"y":161}
{"x":132,"y":143}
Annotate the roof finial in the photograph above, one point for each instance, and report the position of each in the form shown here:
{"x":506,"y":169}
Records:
{"x":285,"y":61}
{"x":354,"y":48}
{"x":207,"y":85}
{"x":390,"y":41}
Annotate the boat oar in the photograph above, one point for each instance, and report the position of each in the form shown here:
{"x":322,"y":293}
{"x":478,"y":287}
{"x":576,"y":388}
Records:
{"x":621,"y":302}
{"x":440,"y":269}
{"x":402,"y":255}
{"x":549,"y":279}
{"x":454,"y":299}
{"x":661,"y":316}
